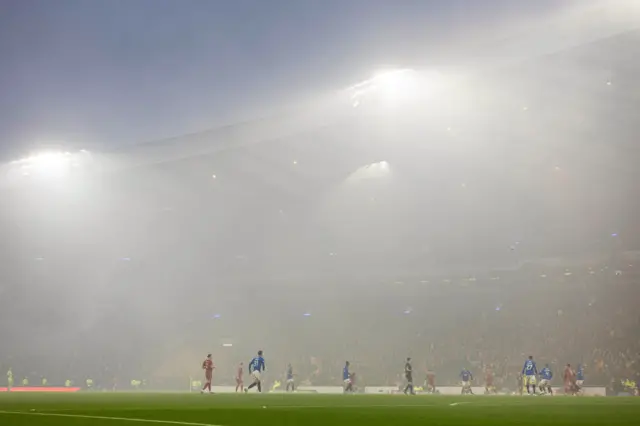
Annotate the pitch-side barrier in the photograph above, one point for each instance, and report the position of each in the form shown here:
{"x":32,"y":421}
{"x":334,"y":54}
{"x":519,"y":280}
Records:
{"x":385,"y":390}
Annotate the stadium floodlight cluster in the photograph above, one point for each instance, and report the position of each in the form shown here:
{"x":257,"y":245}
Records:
{"x":388,"y":84}
{"x":375,"y":170}
{"x":48,"y":164}
{"x":397,"y":87}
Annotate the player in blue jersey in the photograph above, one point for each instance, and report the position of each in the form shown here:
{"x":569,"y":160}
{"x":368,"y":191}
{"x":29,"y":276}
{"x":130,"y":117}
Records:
{"x":530,"y":371}
{"x":346,"y":378}
{"x":579,"y":378}
{"x":466,"y":377}
{"x":256,"y":367}
{"x":290,"y":383}
{"x":545,"y":380}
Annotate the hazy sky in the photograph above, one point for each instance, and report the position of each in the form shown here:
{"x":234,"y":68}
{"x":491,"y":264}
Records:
{"x":122,"y":71}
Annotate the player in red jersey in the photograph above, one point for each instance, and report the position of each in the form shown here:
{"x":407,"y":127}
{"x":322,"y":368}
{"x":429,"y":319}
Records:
{"x":207,"y":366}
{"x":569,"y":380}
{"x":239,"y":381}
{"x":431,"y":381}
{"x":488,"y":382}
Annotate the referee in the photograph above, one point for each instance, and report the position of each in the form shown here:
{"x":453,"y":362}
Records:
{"x":408,"y":374}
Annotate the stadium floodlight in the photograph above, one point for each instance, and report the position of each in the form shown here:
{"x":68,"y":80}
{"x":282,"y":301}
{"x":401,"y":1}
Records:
{"x":394,"y":87}
{"x":50,"y":164}
{"x":375,"y":170}
{"x":47,"y":163}
{"x":395,"y":84}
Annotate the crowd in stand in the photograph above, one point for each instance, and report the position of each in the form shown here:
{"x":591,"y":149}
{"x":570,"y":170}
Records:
{"x":580,"y":315}
{"x":584,"y":316}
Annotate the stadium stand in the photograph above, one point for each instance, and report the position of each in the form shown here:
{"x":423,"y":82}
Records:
{"x":450,"y":233}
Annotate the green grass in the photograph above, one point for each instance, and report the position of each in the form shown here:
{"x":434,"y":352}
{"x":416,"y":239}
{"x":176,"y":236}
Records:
{"x":312,"y":410}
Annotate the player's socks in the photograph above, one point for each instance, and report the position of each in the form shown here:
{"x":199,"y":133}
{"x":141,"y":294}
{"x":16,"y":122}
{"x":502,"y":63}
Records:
{"x":251,"y":386}
{"x":528,"y":389}
{"x":259,"y":387}
{"x":534,"y":389}
{"x":549,"y":390}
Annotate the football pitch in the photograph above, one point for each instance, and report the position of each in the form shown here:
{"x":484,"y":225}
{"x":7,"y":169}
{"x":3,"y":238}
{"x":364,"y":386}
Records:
{"x":309,"y":410}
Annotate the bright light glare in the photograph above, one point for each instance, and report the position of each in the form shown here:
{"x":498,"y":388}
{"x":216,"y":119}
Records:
{"x":376,"y":170}
{"x":50,"y":163}
{"x":390,"y":87}
{"x":395,"y":83}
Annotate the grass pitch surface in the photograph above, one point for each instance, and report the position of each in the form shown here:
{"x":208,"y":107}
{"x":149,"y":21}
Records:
{"x":111,"y":409}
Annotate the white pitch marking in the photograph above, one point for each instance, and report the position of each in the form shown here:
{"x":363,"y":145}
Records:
{"x":355,"y":406}
{"x":453,"y":404}
{"x":123,"y":419}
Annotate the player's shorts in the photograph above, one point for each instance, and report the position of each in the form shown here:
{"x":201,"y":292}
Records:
{"x":579,"y":382}
{"x":544,"y":383}
{"x":256,"y":375}
{"x":466,"y":385}
{"x":347,"y":382}
{"x":530,"y":380}
{"x":208,"y":375}
{"x":289,"y":380}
